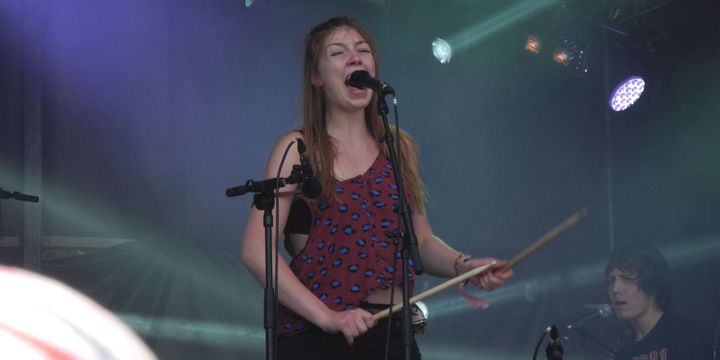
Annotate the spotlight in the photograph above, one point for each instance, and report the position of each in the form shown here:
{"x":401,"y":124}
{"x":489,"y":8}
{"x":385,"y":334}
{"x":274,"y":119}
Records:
{"x":249,"y":3}
{"x":441,"y":50}
{"x":533,"y":44}
{"x":562,"y":56}
{"x":627,"y":93}
{"x":569,"y":53}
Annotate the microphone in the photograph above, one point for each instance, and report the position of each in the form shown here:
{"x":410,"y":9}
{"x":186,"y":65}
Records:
{"x":361,"y":79}
{"x":602,"y":311}
{"x":554,"y":349}
{"x":310,"y":185}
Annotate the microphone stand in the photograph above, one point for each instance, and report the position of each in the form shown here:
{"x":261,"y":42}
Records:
{"x":4,"y":194}
{"x":597,"y":342}
{"x":264,"y":199}
{"x":410,"y":244}
{"x":554,"y":350}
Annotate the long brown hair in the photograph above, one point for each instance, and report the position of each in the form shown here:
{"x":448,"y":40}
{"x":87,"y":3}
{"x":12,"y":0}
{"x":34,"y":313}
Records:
{"x":320,"y":147}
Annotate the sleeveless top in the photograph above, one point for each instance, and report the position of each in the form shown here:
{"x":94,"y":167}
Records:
{"x":348,"y":253}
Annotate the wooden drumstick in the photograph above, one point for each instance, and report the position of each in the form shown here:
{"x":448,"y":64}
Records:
{"x":454,"y":281}
{"x":539,"y":243}
{"x":549,"y":236}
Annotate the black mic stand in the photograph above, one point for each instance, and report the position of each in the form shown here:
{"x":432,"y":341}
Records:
{"x":554,"y":350}
{"x":16,"y":196}
{"x":585,"y":334}
{"x":264,"y":199}
{"x":410,"y":244}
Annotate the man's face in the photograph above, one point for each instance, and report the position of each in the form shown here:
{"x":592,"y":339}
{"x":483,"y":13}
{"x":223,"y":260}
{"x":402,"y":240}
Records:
{"x":629,"y":300}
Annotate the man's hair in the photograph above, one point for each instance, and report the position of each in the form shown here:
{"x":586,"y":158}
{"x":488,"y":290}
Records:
{"x":650,"y":267}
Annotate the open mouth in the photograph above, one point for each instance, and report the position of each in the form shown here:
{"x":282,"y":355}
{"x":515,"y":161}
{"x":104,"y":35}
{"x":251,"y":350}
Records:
{"x":355,"y":90}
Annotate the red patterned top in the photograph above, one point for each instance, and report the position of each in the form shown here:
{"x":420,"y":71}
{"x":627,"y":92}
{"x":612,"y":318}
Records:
{"x":348,"y":254}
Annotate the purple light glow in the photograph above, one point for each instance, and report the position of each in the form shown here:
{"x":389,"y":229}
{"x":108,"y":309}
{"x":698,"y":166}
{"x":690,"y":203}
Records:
{"x":626,"y":93}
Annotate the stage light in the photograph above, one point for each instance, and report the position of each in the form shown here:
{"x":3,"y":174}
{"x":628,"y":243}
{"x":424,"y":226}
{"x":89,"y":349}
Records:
{"x":249,"y":3}
{"x":533,"y":44}
{"x":562,"y":56}
{"x":485,"y":29}
{"x":442,"y":50}
{"x":569,"y":53}
{"x":687,"y":252}
{"x":627,"y":93}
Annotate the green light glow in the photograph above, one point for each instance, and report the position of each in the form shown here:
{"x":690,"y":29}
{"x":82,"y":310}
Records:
{"x":680,"y":254}
{"x":483,"y":30}
{"x":454,"y":352}
{"x":229,"y":335}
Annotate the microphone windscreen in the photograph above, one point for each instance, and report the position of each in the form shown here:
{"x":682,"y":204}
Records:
{"x":312,"y":188}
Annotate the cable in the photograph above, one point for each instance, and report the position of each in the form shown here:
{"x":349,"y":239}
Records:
{"x":277,"y":237}
{"x":537,"y":347}
{"x":395,"y":262}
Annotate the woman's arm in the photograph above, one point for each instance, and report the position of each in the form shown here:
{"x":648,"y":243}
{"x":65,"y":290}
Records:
{"x":291,"y":292}
{"x":440,"y":259}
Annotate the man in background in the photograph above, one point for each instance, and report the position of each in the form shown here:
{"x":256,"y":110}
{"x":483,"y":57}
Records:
{"x":637,"y":279}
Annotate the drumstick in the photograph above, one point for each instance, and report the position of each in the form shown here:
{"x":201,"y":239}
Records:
{"x":539,"y":243}
{"x":549,"y":236}
{"x":435,"y":290}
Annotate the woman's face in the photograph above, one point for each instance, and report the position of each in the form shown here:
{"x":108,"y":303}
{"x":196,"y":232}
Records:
{"x":343,"y":52}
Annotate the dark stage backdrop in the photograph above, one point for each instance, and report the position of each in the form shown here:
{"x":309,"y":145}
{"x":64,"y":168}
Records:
{"x":150,"y":109}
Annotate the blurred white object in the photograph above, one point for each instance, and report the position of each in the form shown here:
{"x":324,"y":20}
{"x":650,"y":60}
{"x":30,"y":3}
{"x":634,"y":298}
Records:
{"x":41,"y":318}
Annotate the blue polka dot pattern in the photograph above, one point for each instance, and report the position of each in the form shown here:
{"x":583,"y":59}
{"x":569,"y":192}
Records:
{"x":350,"y":231}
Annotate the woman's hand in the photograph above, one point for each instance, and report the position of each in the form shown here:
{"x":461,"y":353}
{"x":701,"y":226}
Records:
{"x":488,"y":280}
{"x":351,"y":323}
